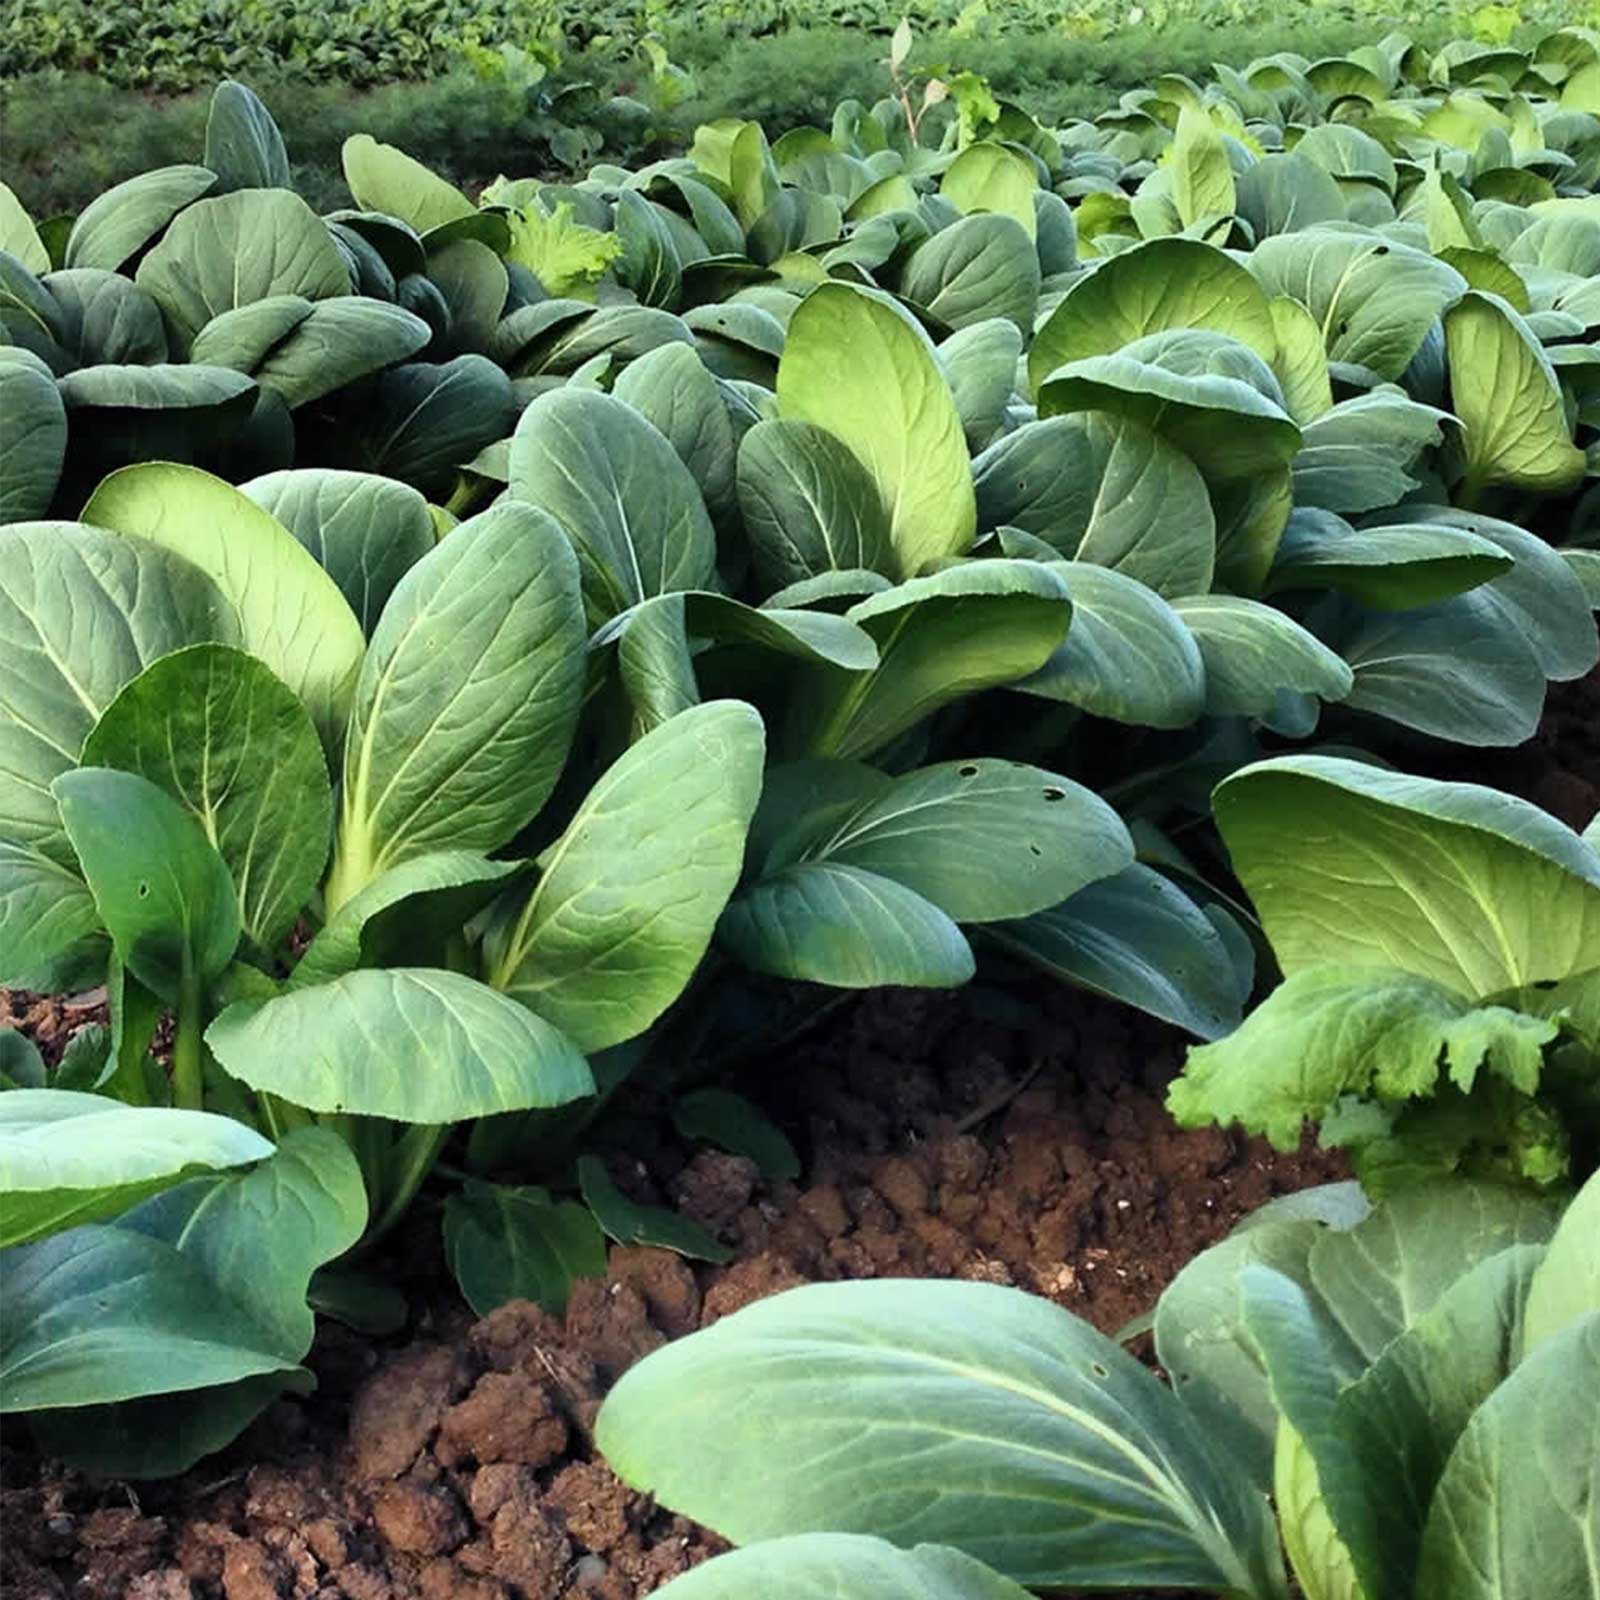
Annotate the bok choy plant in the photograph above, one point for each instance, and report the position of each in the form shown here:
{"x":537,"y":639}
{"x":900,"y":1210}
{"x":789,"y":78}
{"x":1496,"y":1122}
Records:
{"x":1440,"y":945}
{"x":1404,"y":1401}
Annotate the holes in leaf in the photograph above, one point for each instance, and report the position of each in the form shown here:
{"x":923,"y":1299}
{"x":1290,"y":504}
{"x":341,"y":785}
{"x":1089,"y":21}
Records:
{"x":970,"y":770}
{"x":1099,"y":1370}
{"x":1053,"y":794}
{"x":1035,"y":850}
{"x":144,"y":891}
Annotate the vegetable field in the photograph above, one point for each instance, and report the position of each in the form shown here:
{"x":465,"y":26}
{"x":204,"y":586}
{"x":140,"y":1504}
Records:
{"x":488,"y":671}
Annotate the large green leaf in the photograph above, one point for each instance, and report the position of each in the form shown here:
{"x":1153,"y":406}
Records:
{"x":1506,"y":393}
{"x":467,"y":700}
{"x":1356,"y":456}
{"x":892,"y":407}
{"x":1396,"y":567}
{"x":973,"y":626}
{"x":809,"y":505}
{"x":1352,"y":1030}
{"x":414,"y":1044}
{"x":1566,"y":1284}
{"x":629,"y":895}
{"x":1374,"y":300}
{"x":48,"y":921}
{"x":289,"y":611}
{"x":116,"y":225}
{"x":337,"y":342}
{"x":67,"y":1159}
{"x":980,"y":361}
{"x":243,"y":145}
{"x":842,"y":1566}
{"x":1127,"y":655}
{"x":1474,"y":889}
{"x":365,"y":531}
{"x":163,"y":892}
{"x":425,"y":420}
{"x":1513,"y":1516}
{"x":18,"y":236}
{"x":979,"y":267}
{"x":1139,"y":939}
{"x":200,"y":1287}
{"x":1105,"y":490}
{"x":1164,"y":284}
{"x":106,"y":318}
{"x":1202,"y":175}
{"x":976,"y":1416}
{"x":34,"y":444}
{"x":219,"y":733}
{"x":1252,"y":653}
{"x":387,"y":180}
{"x":671,"y":388}
{"x":507,"y":1243}
{"x":983,"y":840}
{"x":617,"y":488}
{"x":81,"y":613}
{"x":1209,"y":395}
{"x":236,"y":248}
{"x":992,"y":177}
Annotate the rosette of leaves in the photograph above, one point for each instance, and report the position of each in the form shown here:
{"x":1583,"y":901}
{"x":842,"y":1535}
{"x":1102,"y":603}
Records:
{"x":1401,"y":1400}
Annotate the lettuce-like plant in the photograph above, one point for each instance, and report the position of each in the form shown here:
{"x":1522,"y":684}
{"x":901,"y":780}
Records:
{"x":1440,"y":944}
{"x":1417,"y":1389}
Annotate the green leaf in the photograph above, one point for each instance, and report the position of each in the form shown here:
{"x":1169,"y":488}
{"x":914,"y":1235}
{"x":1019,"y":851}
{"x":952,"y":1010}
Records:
{"x":62,"y":583}
{"x":629,"y":895}
{"x":1566,"y":1284}
{"x":106,"y":318}
{"x":1332,"y":1030}
{"x":415,"y":1044}
{"x":1127,"y":655}
{"x":1391,"y":568}
{"x":959,"y":1412}
{"x":236,"y":248}
{"x":1423,"y":854}
{"x":1506,"y":393}
{"x":473,"y":283}
{"x":1164,"y":284}
{"x":221,"y":735}
{"x":427,"y":420}
{"x":628,"y":1222}
{"x":1357,"y":455}
{"x":732,"y":1123}
{"x":1209,"y":395}
{"x":1105,"y":490}
{"x":115,"y":226}
{"x":983,"y":840}
{"x":825,"y":922}
{"x":891,"y":407}
{"x":979,"y":267}
{"x":1137,"y":938}
{"x":809,"y":506}
{"x":162,"y":891}
{"x":969,"y":627}
{"x":338,"y":342}
{"x":201,"y":1286}
{"x":1374,"y":300}
{"x":508,"y":1244}
{"x":366,"y":532}
{"x":615,"y":485}
{"x":243,"y":145}
{"x":18,"y":236}
{"x":48,"y":921}
{"x":467,"y":700}
{"x":992,"y":177}
{"x":1252,"y":652}
{"x":21,"y":1065}
{"x":289,"y":611}
{"x":842,"y":1566}
{"x":414,"y":907}
{"x":385,"y":179}
{"x":1301,"y":366}
{"x":566,"y":257}
{"x":980,"y":361}
{"x":1202,"y":175}
{"x":242,"y":338}
{"x":35,"y":442}
{"x":67,"y":1159}
{"x":1513,"y":1517}
{"x":672,"y":390}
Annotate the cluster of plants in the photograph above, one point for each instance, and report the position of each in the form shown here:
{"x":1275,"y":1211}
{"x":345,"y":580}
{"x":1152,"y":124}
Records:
{"x":462,"y":653}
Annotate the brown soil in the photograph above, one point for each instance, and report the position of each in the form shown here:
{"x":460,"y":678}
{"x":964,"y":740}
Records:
{"x":1009,"y":1134}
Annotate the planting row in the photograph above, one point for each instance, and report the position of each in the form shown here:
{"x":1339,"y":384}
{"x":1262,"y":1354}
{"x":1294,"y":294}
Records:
{"x":456,"y":656}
